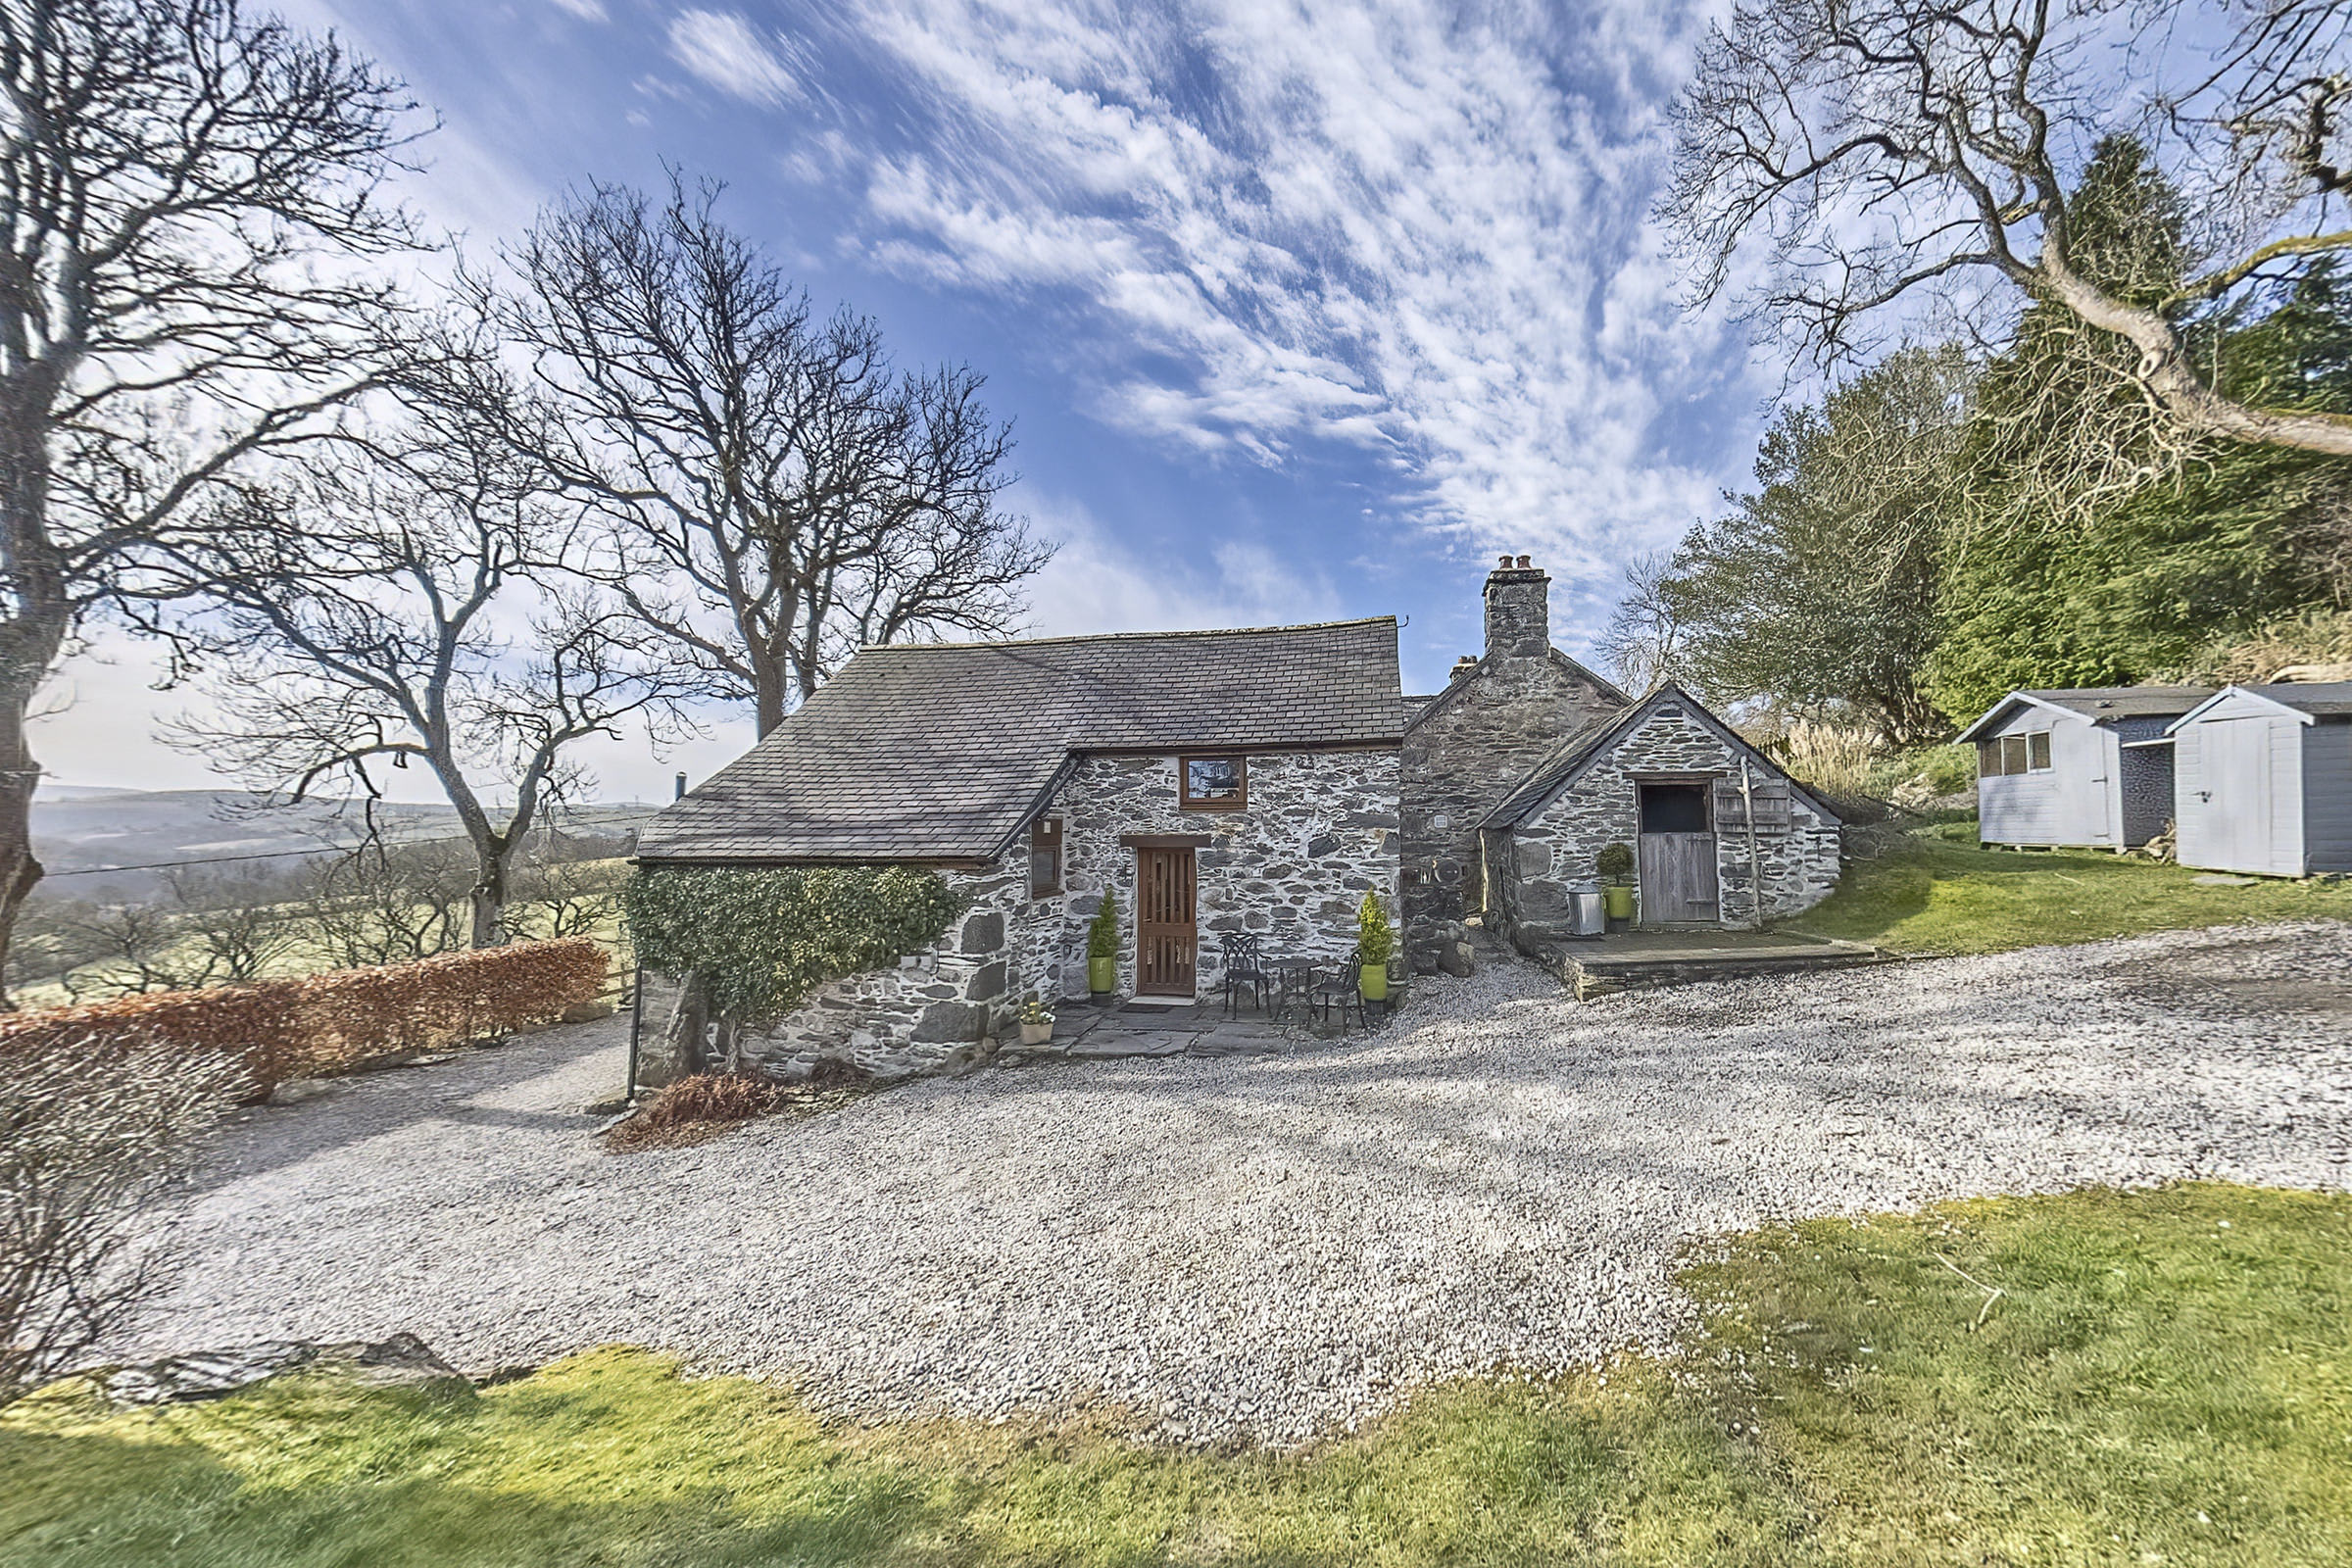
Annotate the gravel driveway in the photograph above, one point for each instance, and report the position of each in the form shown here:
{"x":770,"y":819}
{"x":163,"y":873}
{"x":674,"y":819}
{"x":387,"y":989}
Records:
{"x":1271,"y":1245}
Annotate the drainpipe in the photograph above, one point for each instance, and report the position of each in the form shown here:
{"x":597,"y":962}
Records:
{"x":636,"y":1027}
{"x":1756,"y":860}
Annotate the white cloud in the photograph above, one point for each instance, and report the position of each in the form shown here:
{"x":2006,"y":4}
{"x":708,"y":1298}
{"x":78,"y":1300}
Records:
{"x":585,"y":10}
{"x":1419,"y":229}
{"x":1095,"y":585}
{"x":728,"y":53}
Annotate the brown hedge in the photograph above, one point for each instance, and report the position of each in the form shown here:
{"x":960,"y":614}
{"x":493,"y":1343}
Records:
{"x":281,"y":1029}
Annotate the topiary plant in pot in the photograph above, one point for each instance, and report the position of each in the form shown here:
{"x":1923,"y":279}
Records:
{"x":1103,"y":948}
{"x":1375,"y":943}
{"x":1615,"y":863}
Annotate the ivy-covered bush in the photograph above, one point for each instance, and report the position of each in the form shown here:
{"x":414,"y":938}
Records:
{"x":759,"y":940}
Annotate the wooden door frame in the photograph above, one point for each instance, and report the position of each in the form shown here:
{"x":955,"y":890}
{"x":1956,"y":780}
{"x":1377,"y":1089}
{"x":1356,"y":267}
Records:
{"x":1189,"y":853}
{"x":1703,"y":783}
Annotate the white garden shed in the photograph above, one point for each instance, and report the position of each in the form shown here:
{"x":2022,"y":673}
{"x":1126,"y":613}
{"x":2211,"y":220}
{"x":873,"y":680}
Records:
{"x":2262,"y":779}
{"x":2087,"y":766}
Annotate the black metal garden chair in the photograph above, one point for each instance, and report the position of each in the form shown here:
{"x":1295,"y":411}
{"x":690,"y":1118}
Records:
{"x":1245,"y":971}
{"x":1341,"y":988}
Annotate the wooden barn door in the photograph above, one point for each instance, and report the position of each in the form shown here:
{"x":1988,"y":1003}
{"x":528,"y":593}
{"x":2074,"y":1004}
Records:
{"x":1165,"y":940}
{"x":1677,"y":857}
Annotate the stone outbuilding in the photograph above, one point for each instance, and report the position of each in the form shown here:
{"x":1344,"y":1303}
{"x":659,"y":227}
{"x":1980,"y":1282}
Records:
{"x":1467,"y":747}
{"x":1714,"y":825}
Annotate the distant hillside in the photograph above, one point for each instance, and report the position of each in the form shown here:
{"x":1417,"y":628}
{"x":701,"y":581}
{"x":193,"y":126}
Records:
{"x":80,"y":832}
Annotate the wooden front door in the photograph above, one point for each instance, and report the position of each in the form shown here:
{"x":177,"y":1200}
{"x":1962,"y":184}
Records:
{"x":1165,"y":940}
{"x":1677,"y":857}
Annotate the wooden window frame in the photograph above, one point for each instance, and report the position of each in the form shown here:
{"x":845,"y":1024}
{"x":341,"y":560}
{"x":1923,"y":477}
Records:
{"x":1184,"y":782}
{"x":2040,"y":741}
{"x":1047,"y":829}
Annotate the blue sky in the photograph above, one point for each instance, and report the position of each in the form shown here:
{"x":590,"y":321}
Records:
{"x":1301,"y":309}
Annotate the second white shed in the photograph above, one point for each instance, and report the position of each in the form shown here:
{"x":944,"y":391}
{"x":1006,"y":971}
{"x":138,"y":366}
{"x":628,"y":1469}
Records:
{"x":2262,"y":779}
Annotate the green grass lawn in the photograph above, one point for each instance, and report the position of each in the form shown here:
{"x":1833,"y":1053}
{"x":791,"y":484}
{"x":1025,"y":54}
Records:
{"x":2164,"y":1377}
{"x":1947,"y":894}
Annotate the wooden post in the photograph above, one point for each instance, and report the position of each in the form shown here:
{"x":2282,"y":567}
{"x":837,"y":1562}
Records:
{"x":1756,"y":860}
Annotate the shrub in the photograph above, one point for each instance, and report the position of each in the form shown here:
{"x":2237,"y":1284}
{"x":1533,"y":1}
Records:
{"x":89,"y":1134}
{"x":759,"y":941}
{"x":700,"y":1108}
{"x":1615,"y":862}
{"x":1924,"y":773}
{"x":1102,"y":936}
{"x":1375,"y":937}
{"x":279,"y":1029}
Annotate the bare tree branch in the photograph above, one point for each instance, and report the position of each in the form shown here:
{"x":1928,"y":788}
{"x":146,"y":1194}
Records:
{"x":1863,"y":152}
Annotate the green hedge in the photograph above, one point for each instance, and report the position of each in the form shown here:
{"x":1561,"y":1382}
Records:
{"x":762,"y":940}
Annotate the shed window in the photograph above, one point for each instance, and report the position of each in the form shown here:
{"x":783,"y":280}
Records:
{"x":2015,"y":754}
{"x":1213,"y":783}
{"x":1044,"y":857}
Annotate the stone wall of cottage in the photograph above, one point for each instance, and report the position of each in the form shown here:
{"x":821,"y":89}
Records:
{"x":1472,"y":747}
{"x":1319,"y":831}
{"x":1529,"y":866}
{"x":931,"y":1012}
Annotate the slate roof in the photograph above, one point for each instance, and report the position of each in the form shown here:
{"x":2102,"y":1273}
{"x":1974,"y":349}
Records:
{"x":2321,"y":699}
{"x":2100,"y":704}
{"x":2328,"y":699}
{"x":1582,"y":747}
{"x":942,"y":751}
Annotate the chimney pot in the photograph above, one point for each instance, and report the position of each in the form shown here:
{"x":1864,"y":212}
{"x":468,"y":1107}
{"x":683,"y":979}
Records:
{"x":1523,"y":560}
{"x":1507,"y":562}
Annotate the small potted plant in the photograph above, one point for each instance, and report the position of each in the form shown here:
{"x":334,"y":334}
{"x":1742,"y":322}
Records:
{"x":1376,"y":945}
{"x":1037,"y":1025}
{"x":1615,"y":865}
{"x":1103,"y":948}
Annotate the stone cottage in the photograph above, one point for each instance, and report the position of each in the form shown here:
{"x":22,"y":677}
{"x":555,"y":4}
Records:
{"x":1210,"y":781}
{"x":1260,"y":780}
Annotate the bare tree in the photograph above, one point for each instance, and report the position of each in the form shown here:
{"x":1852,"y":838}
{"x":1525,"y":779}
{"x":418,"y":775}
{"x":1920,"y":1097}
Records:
{"x":239,"y":924}
{"x":777,"y":494}
{"x":1875,"y":150}
{"x":1643,"y":642}
{"x":390,"y":604}
{"x":183,"y":190}
{"x":389,"y":903}
{"x":87,"y":1138}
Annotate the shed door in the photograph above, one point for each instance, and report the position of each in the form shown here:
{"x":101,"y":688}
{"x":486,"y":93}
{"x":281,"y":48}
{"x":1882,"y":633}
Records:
{"x":1164,"y":937}
{"x":1677,"y":857}
{"x":2236,"y":775}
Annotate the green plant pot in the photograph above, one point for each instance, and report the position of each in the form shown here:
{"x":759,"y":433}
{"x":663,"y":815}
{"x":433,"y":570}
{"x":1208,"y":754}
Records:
{"x":1373,"y":981}
{"x":1101,"y":976}
{"x":1618,"y":900}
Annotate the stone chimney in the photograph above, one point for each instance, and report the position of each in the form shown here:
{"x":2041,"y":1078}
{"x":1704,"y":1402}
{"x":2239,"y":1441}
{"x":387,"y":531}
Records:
{"x":1518,"y":610}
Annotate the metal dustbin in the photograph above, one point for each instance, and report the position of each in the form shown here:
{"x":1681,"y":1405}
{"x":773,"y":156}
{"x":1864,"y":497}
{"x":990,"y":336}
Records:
{"x":1586,"y":915}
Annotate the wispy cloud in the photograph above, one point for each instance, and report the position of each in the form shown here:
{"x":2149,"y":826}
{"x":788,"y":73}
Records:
{"x":1096,"y":584}
{"x":585,"y":10}
{"x":1414,"y":227}
{"x":725,"y":51}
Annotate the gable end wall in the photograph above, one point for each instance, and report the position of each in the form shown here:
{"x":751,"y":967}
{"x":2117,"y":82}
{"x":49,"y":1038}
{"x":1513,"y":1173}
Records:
{"x":1532,"y":864}
{"x":1481,"y":737}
